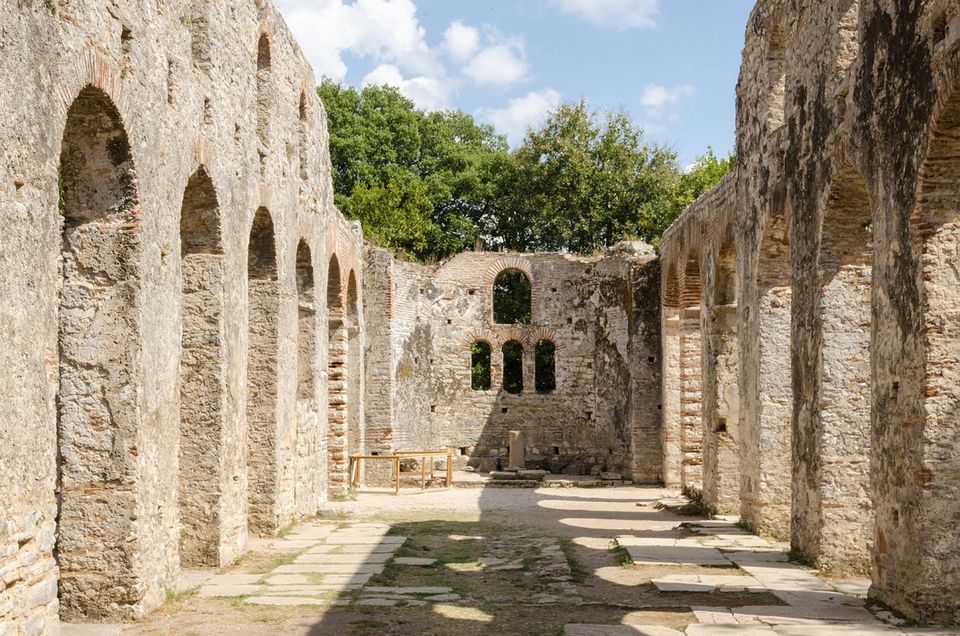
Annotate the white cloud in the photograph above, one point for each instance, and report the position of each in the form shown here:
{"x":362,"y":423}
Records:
{"x":498,"y":65}
{"x":617,"y":14}
{"x":655,"y":99}
{"x":428,"y":93}
{"x":383,"y":30}
{"x":522,"y":113}
{"x":461,"y":40}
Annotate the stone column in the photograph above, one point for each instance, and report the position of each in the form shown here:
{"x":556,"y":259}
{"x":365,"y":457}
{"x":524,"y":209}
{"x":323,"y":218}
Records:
{"x":518,"y":451}
{"x":721,"y":478}
{"x":691,"y":418}
{"x":671,"y":397}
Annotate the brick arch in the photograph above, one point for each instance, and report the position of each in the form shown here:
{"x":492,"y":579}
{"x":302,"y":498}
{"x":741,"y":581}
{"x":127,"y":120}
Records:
{"x":692,"y":280}
{"x":544,"y":333}
{"x":512,"y":262}
{"x":486,"y":335}
{"x":671,"y":288}
{"x":513,"y":332}
{"x":96,"y":70}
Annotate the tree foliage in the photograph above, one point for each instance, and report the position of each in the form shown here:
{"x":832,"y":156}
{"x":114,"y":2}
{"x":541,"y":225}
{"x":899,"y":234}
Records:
{"x":433,"y":184}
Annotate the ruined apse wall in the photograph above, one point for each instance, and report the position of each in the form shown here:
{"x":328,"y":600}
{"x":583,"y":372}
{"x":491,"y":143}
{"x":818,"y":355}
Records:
{"x":602,"y":315}
{"x":846,"y":216}
{"x":203,"y":108}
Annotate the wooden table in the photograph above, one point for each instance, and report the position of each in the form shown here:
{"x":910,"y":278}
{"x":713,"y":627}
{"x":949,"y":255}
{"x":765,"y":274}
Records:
{"x":357,"y":460}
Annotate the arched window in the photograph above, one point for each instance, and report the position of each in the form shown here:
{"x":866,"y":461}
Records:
{"x":546,"y":369}
{"x":513,"y":367}
{"x":511,"y":298}
{"x":480,"y":366}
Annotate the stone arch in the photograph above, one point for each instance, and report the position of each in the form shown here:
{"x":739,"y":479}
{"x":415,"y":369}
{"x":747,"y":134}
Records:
{"x":916,"y":561}
{"x":203,"y":390}
{"x":264,"y":97}
{"x":99,"y":337}
{"x":355,"y":432}
{"x":766,"y":393}
{"x":307,"y":324}
{"x":691,"y":376}
{"x":512,"y":293}
{"x":721,"y":395}
{"x":263,"y":314}
{"x":831,"y":497}
{"x":338,"y":379}
{"x":518,"y":263}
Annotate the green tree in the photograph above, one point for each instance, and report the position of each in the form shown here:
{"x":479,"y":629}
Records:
{"x":417,"y":182}
{"x":432,"y":184}
{"x":585,"y":180}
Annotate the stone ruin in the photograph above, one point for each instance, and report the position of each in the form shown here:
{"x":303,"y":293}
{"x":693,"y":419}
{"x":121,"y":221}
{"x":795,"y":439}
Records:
{"x":194,"y":339}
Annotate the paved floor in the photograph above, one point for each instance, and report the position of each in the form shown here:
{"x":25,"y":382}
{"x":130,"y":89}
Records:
{"x":578,"y":561}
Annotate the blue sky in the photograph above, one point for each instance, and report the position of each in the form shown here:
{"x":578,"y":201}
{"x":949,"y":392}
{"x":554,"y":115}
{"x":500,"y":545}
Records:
{"x":671,"y":64}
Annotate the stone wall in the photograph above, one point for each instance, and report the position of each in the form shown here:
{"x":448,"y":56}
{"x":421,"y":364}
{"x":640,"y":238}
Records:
{"x":601,"y":315}
{"x":151,"y":370}
{"x":844,"y":218}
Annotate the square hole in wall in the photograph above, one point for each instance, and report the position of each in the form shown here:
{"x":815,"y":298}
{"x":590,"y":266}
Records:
{"x":503,"y":410}
{"x":449,"y":322}
{"x":556,"y":450}
{"x":375,"y":453}
{"x":472,"y":292}
{"x":589,"y":415}
{"x":463,"y":451}
{"x":433,"y":408}
{"x":652,"y":359}
{"x":659,"y":407}
{"x":553,"y":289}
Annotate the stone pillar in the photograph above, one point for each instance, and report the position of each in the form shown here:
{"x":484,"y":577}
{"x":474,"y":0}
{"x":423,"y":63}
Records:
{"x":721,"y":477}
{"x":671,"y":397}
{"x":765,"y":421}
{"x":518,"y":451}
{"x":691,"y":417}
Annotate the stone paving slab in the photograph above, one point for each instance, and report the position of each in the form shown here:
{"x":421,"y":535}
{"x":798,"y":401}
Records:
{"x":329,"y":568}
{"x":830,"y":629}
{"x":584,"y":629}
{"x":346,"y":548}
{"x":355,"y":539}
{"x":234,"y":579}
{"x":804,"y":615}
{"x":732,"y":630}
{"x":677,"y":555}
{"x":344,"y":559}
{"x":221,"y":591}
{"x":286,"y":600}
{"x":408,"y":590}
{"x":413,"y":561}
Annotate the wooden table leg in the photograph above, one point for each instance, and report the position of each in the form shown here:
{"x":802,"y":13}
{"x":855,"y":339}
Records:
{"x":449,"y":470}
{"x":423,"y":473}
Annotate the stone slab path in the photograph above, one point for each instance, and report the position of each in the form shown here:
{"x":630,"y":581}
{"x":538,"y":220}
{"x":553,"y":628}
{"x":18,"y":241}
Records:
{"x":331,"y":560}
{"x":471,"y":562}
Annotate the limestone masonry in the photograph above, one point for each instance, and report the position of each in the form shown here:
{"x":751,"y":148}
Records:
{"x":194,"y":340}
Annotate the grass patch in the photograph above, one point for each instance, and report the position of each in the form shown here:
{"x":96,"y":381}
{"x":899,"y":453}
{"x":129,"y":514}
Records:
{"x":622,"y":556}
{"x":366,"y":624}
{"x":797,"y":556}
{"x":578,"y":572}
